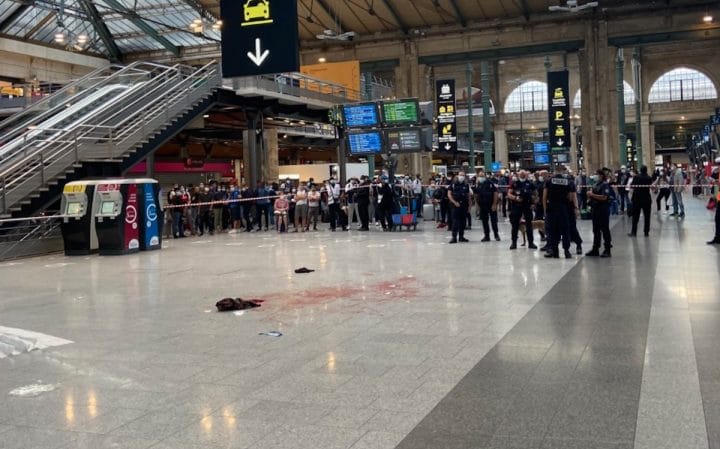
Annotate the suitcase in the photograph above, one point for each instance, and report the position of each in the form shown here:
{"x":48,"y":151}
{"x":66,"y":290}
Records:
{"x":428,"y":212}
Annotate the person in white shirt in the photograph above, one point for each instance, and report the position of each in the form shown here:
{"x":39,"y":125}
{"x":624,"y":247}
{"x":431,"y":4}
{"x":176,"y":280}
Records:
{"x":417,"y":191}
{"x":678,"y":187}
{"x":351,"y":201}
{"x":301,"y":209}
{"x":333,"y":200}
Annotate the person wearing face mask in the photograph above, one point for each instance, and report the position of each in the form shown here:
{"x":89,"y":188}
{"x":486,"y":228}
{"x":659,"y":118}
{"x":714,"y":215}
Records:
{"x":351,"y":198}
{"x":715,"y":175}
{"x":521,"y":195}
{"x":235,"y":209}
{"x":678,"y":187}
{"x":333,"y":201}
{"x":622,"y":180}
{"x":488,"y":199}
{"x":459,"y":196}
{"x":362,"y":198}
{"x":385,"y":204}
{"x":558,"y":194}
{"x":204,"y":220}
{"x":600,"y":197}
{"x":503,"y":183}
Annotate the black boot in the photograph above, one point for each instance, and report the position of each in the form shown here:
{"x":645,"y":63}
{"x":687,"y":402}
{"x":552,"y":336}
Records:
{"x":485,"y":239}
{"x":552,"y":255}
{"x":568,"y":255}
{"x":606,"y":253}
{"x":514,"y":245}
{"x":595,"y":252}
{"x":579,"y":249}
{"x":497,"y":237}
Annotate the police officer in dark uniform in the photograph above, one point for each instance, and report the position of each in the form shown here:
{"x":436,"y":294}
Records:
{"x":600,"y":197}
{"x":573,"y":209}
{"x":641,"y":201}
{"x":459,"y":196}
{"x":557,"y":196}
{"x":487,"y":198}
{"x":521,"y":195}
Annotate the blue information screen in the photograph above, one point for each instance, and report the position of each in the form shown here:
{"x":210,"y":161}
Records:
{"x":542,"y":159}
{"x":363,"y":115}
{"x":541,"y":147}
{"x":365,"y":143}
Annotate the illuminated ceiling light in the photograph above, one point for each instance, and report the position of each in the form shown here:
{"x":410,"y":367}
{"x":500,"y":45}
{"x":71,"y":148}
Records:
{"x":82,"y":38}
{"x":322,"y":59}
{"x":682,"y":117}
{"x":217,"y":25}
{"x":197,"y":21}
{"x":206,"y":116}
{"x":59,"y":37}
{"x":707,"y":18}
{"x":284,"y":136}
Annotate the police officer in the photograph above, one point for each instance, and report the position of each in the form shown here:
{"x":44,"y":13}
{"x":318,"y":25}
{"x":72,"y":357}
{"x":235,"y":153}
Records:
{"x":521,"y":195}
{"x":600,"y":197}
{"x":557,"y":196}
{"x":459,"y":196}
{"x":488,"y":198}
{"x":573,"y":209}
{"x":362,"y":196}
{"x":716,"y":175}
{"x":641,"y":201}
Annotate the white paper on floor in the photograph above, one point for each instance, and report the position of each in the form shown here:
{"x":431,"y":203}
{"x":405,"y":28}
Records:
{"x":30,"y":391}
{"x":17,"y":341}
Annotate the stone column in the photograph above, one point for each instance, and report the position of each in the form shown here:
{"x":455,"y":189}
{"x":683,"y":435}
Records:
{"x":249,"y":156}
{"x":599,"y":98}
{"x":270,"y":166}
{"x":501,"y":147}
{"x":648,"y":141}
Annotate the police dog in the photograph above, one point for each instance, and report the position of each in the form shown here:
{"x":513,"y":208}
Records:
{"x":537,"y":225}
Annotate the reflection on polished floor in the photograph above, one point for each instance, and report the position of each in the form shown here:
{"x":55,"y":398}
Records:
{"x":397,"y":340}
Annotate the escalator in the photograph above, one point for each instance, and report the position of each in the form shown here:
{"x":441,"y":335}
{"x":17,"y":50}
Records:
{"x":99,"y":125}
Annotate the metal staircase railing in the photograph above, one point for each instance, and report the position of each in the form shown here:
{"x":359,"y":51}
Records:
{"x":18,"y":124}
{"x":115,"y":130}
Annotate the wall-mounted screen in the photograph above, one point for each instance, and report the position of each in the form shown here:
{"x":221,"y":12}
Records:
{"x":561,"y":158}
{"x":403,"y":140}
{"x":400,"y":112}
{"x":369,"y":142}
{"x":541,"y":147}
{"x":73,"y":208}
{"x":361,"y":115}
{"x":542,"y":159}
{"x":107,"y":208}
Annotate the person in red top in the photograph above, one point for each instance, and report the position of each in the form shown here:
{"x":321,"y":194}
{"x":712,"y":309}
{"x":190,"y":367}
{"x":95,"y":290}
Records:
{"x":281,"y":213}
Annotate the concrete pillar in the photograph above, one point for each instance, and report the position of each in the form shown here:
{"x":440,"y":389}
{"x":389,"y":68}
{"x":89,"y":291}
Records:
{"x":599,"y":106}
{"x":270,"y":165}
{"x":150,"y":165}
{"x":501,"y":148}
{"x":249,"y":156}
{"x":572,"y":157}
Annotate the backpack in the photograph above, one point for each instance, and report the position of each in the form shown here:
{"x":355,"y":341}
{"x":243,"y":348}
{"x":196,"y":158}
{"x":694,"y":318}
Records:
{"x":437,"y":194}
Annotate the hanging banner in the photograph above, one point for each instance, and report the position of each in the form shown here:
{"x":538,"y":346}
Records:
{"x":446,"y":107}
{"x":559,"y":110}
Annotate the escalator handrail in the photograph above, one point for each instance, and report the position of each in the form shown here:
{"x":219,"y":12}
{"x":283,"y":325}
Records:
{"x":31,"y":159}
{"x":21,"y":128}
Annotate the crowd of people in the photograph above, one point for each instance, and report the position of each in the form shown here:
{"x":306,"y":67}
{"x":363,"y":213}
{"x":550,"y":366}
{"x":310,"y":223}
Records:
{"x":549,"y":203}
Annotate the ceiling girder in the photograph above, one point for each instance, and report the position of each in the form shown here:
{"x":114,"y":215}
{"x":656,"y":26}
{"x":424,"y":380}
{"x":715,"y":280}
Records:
{"x":391,"y":7}
{"x":332,"y":13}
{"x":9,"y":20}
{"x":525,"y":9}
{"x":200,"y":9}
{"x":101,"y":29}
{"x":459,"y":14}
{"x":140,"y":23}
{"x":39,"y":25}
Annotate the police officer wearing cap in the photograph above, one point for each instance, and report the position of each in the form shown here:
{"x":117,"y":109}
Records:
{"x":521,"y":195}
{"x":459,"y":196}
{"x":557,"y":196}
{"x":600,"y":197}
{"x":716,"y":176}
{"x":488,"y":198}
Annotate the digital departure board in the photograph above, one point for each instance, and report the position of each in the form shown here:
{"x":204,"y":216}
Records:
{"x":369,"y":142}
{"x":403,"y":140}
{"x":542,"y":159}
{"x":401,"y":112}
{"x":361,"y":115}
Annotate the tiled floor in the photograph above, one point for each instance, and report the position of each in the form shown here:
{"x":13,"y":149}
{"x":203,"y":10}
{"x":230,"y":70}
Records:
{"x":397,"y":340}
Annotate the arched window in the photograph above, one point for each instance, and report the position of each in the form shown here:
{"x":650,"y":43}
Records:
{"x":682,"y":84}
{"x":628,"y":94}
{"x":529,"y":96}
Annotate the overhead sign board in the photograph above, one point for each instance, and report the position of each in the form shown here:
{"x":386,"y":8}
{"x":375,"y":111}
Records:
{"x":365,"y":142}
{"x":259,"y":37}
{"x":404,"y":140}
{"x":541,"y":147}
{"x":400,"y":112}
{"x":360,"y":115}
{"x":559,"y":110}
{"x":446,"y":110}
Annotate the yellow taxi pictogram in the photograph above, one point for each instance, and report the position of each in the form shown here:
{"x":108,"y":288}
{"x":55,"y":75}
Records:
{"x":257,"y":12}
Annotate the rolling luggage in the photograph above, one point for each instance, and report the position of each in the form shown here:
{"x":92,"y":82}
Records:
{"x":428,"y":212}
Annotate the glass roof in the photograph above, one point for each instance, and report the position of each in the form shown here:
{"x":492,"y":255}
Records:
{"x":133,"y":25}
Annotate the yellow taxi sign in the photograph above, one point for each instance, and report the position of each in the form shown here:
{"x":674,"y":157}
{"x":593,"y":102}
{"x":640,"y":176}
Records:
{"x":256,"y":12}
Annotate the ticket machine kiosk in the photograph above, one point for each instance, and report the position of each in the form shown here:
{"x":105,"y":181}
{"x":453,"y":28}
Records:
{"x":78,"y":223}
{"x":127,"y":215}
